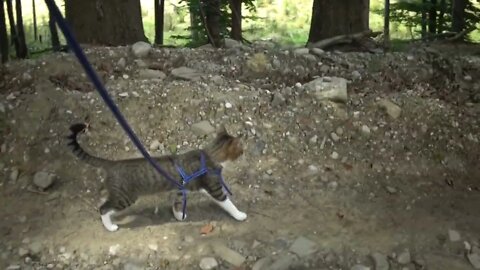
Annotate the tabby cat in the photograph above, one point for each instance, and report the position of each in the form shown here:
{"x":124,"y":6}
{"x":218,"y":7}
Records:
{"x":130,"y":178}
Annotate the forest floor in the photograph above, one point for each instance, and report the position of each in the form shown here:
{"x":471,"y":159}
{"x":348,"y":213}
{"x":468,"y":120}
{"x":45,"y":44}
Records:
{"x":387,"y":179}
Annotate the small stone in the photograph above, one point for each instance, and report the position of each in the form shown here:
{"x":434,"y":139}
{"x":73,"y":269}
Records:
{"x":339,"y":131}
{"x":303,"y":247}
{"x":228,"y":255}
{"x":328,"y":88}
{"x":334,"y":137}
{"x":185,"y":73}
{"x":208,"y":263}
{"x":474,"y":259}
{"x":133,"y":266}
{"x":231,"y":43}
{"x":122,"y":63}
{"x":283,"y":263}
{"x":298,"y":85}
{"x":404,"y":257}
{"x":332,"y":185}
{"x":392,"y":109}
{"x":301,"y":51}
{"x":360,"y":267}
{"x":313,"y":139}
{"x":113,"y":250}
{"x":391,"y":190}
{"x":380,"y":261}
{"x":365,"y":130}
{"x":278,"y":99}
{"x":356,"y":75}
{"x":43,"y":180}
{"x":228,"y":105}
{"x":255,"y":244}
{"x":269,"y":172}
{"x":141,"y":49}
{"x":14,"y":267}
{"x":334,"y":155}
{"x":123,"y":94}
{"x":453,"y":235}
{"x":318,"y":51}
{"x":148,"y":74}
{"x":2,"y":108}
{"x":263,"y":263}
{"x":202,"y":128}
{"x":35,"y":247}
{"x":14,"y":174}
{"x":153,"y":247}
{"x":22,"y":252}
{"x":155,"y":145}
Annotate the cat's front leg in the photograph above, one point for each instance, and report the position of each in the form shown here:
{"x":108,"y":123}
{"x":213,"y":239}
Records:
{"x":177,"y":207}
{"x":228,"y":206}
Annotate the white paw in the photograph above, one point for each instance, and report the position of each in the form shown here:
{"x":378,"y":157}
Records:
{"x":178,"y":215}
{"x":111,"y":227}
{"x":240,"y":216}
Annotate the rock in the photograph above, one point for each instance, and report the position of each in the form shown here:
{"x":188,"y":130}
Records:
{"x":202,"y":128}
{"x":43,"y":180}
{"x":122,"y":63}
{"x":301,"y":51}
{"x":360,"y":267}
{"x":278,"y":99}
{"x":365,"y":130}
{"x":392,"y":109}
{"x":356,"y":75}
{"x":14,"y":267}
{"x":151,"y":74}
{"x":380,"y":261}
{"x":228,"y":255}
{"x":231,"y":43}
{"x":318,"y":51}
{"x":2,"y":108}
{"x":217,"y":79}
{"x":141,"y":49}
{"x":22,"y":252}
{"x":404,"y":257}
{"x":155,"y":145}
{"x":228,"y":105}
{"x":313,"y":139}
{"x":283,"y":263}
{"x":14,"y":174}
{"x":263,"y":263}
{"x":474,"y":259}
{"x":328,"y":88}
{"x":445,"y":262}
{"x":153,"y":247}
{"x":186,"y":73}
{"x":334,"y":155}
{"x":391,"y":190}
{"x":334,"y":137}
{"x":208,"y":263}
{"x":132,"y":266}
{"x":303,"y":247}
{"x":453,"y":235}
{"x":35,"y":247}
{"x":140,"y":63}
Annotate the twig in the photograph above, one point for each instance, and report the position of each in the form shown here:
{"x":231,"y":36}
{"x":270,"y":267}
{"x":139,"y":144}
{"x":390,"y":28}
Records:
{"x":37,"y":191}
{"x":342,"y":39}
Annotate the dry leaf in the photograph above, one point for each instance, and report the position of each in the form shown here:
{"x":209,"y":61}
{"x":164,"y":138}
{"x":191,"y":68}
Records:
{"x":206,"y":229}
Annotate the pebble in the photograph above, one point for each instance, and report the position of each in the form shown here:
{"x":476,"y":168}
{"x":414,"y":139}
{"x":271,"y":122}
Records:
{"x":2,"y":108}
{"x":404,"y":257}
{"x":313,"y":139}
{"x":334,"y":137}
{"x":262,"y":263}
{"x":360,"y":267}
{"x":339,"y":131}
{"x":303,"y":247}
{"x":356,"y":75}
{"x":151,"y":74}
{"x":123,"y":94}
{"x":228,"y":255}
{"x":202,"y":128}
{"x":365,"y":130}
{"x":153,"y":247}
{"x":453,"y":235}
{"x":14,"y":174}
{"x":35,"y":247}
{"x":208,"y":263}
{"x":335,"y":155}
{"x":392,"y":109}
{"x":155,"y":145}
{"x":43,"y":180}
{"x":474,"y":259}
{"x":391,"y":190}
{"x":228,"y":105}
{"x":132,"y":266}
{"x":301,"y":51}
{"x":318,"y":51}
{"x":380,"y":261}
{"x":185,"y":73}
{"x":122,"y":63}
{"x":22,"y":252}
{"x":141,"y":49}
{"x":14,"y":267}
{"x":283,"y":263}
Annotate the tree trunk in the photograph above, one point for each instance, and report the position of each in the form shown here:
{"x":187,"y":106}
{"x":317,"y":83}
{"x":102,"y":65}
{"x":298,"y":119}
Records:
{"x":212,"y":21}
{"x":458,"y":15}
{"x":35,"y":28}
{"x":159,"y":6}
{"x":432,"y":18}
{"x":441,"y":16}
{"x":106,"y":22}
{"x":333,"y":17}
{"x":195,"y":20}
{"x":3,"y":34}
{"x":13,"y":26}
{"x":424,"y":19}
{"x":386,"y":23}
{"x":22,"y":45}
{"x":53,"y":33}
{"x":236,"y":8}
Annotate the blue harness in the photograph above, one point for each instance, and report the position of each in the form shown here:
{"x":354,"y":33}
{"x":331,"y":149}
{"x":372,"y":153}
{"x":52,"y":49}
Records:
{"x":188,"y":178}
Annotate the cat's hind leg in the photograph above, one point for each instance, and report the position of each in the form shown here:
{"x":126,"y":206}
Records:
{"x":110,"y":207}
{"x":177,"y":207}
{"x":222,"y":200}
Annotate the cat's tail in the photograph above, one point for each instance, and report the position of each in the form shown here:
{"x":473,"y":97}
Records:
{"x":78,"y":150}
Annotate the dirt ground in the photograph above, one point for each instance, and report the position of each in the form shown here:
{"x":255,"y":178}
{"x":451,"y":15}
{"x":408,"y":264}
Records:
{"x":388,"y":179}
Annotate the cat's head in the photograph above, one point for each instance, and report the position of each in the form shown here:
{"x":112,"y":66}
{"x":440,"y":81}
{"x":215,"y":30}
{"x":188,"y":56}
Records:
{"x":225,"y":147}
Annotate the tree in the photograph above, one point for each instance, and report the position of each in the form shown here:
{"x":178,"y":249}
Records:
{"x":212,"y":14}
{"x":432,"y":17}
{"x":22,"y":45}
{"x":35,"y":28}
{"x":458,"y":15}
{"x":333,"y":17}
{"x":53,"y":33}
{"x":441,"y":16}
{"x":13,"y":26}
{"x":107,"y":22}
{"x":236,"y":9}
{"x":159,"y":7}
{"x":386,"y":23}
{"x":3,"y":34}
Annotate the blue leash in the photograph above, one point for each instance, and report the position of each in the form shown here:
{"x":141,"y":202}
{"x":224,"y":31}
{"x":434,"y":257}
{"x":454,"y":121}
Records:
{"x":72,"y":42}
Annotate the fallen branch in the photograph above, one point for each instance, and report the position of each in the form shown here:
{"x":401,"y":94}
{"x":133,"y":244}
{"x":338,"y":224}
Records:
{"x":342,"y":39}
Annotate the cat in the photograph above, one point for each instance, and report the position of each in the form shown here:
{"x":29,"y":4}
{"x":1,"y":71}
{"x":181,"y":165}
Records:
{"x":128,"y":179}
